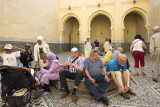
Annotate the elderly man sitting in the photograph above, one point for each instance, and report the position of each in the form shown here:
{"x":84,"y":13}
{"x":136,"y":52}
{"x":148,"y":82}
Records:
{"x":117,"y":53}
{"x":74,"y":65}
{"x":114,"y":67}
{"x":93,"y":69}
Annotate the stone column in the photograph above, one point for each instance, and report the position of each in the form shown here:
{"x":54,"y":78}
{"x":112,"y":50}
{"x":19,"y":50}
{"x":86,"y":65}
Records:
{"x":60,"y":40}
{"x":83,"y":28}
{"x":118,"y":32}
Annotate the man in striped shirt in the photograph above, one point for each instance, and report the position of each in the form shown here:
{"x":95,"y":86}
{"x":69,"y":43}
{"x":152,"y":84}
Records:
{"x":72,"y":69}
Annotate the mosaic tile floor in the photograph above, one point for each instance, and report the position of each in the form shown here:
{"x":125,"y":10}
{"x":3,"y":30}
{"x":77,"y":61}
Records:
{"x":148,"y":92}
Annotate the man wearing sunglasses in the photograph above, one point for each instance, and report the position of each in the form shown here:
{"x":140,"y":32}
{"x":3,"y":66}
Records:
{"x":117,"y":67}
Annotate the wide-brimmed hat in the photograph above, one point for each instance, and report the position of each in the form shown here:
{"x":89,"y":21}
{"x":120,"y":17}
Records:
{"x":74,"y":49}
{"x":8,"y":46}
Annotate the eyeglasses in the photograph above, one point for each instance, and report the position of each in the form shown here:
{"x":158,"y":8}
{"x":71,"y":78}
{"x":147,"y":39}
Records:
{"x":123,"y":61}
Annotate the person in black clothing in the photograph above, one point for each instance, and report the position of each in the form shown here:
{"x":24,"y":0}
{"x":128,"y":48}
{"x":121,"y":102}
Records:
{"x":96,"y":44}
{"x":111,"y":45}
{"x":26,"y":56}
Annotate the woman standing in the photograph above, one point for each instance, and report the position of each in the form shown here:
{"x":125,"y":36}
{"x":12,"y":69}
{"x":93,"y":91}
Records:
{"x":49,"y":73}
{"x":137,"y":51}
{"x":40,"y":49}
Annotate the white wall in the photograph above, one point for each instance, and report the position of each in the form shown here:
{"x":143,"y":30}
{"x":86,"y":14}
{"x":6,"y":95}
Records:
{"x":154,"y":13}
{"x":26,"y":19}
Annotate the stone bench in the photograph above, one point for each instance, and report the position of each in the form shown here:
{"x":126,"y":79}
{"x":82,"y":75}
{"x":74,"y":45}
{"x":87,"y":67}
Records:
{"x":82,"y":87}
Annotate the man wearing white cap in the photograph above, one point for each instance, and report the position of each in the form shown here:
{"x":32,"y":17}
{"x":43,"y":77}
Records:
{"x":154,"y":49}
{"x":72,"y":69}
{"x":87,"y":47}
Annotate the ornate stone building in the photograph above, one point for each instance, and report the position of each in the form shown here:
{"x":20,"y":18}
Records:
{"x":67,"y":23}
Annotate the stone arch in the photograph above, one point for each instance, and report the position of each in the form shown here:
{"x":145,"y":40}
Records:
{"x":100,"y":13}
{"x":141,"y":12}
{"x":143,"y":15}
{"x":69,"y":30}
{"x":65,"y":18}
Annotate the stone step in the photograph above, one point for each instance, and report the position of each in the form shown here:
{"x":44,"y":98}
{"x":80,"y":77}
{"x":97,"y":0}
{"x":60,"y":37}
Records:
{"x":112,"y":89}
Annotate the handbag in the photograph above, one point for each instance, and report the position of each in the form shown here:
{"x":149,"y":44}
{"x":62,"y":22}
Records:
{"x":73,"y":61}
{"x":144,"y":51}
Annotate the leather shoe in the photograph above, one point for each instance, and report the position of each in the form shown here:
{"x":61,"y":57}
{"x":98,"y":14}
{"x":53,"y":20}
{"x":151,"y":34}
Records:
{"x":131,"y":92}
{"x":154,"y":79}
{"x":105,"y":100}
{"x":65,"y":94}
{"x":124,"y":95}
{"x":74,"y":98}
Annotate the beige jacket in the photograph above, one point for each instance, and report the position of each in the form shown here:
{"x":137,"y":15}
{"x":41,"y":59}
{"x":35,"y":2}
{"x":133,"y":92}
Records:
{"x":154,"y":43}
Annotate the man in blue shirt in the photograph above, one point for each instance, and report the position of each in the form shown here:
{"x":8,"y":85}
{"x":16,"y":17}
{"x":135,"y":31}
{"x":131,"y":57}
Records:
{"x":114,"y":67}
{"x":93,"y":69}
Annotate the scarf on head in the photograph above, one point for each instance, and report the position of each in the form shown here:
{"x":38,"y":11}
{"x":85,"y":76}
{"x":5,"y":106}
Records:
{"x":43,"y":45}
{"x":51,"y":57}
{"x":42,"y":40}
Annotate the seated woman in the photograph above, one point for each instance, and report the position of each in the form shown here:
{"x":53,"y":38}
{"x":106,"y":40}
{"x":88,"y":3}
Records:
{"x":49,"y":73}
{"x":106,"y":58}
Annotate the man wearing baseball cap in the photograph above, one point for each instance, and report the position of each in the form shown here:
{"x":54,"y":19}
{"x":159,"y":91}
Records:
{"x":154,"y":49}
{"x":72,"y":69}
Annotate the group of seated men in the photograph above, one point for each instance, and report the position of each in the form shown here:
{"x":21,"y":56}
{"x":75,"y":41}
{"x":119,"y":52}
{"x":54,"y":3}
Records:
{"x":95,"y":72}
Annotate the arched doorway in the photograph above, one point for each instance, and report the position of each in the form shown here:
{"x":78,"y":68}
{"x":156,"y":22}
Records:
{"x":71,"y":32}
{"x":134,"y":23}
{"x":100,"y":28}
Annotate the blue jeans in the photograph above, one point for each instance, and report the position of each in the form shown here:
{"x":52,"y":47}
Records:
{"x":78,"y":76}
{"x":97,"y":91}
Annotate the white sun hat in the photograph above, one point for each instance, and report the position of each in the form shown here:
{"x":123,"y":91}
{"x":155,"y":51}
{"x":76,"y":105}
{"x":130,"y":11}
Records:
{"x":8,"y":46}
